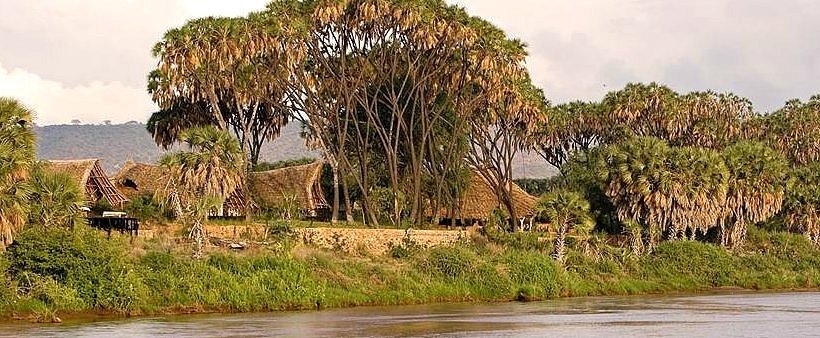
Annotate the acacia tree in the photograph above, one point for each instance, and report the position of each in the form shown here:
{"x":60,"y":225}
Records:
{"x":498,"y":134}
{"x":16,"y":159}
{"x":565,"y":210}
{"x":375,"y":71}
{"x":203,"y":177}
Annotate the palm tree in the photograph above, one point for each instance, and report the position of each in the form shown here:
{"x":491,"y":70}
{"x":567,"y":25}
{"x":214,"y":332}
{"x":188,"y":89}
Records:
{"x":756,"y":190}
{"x":802,"y":203}
{"x":205,"y":175}
{"x":565,"y":210}
{"x":57,"y":197}
{"x":16,"y":159}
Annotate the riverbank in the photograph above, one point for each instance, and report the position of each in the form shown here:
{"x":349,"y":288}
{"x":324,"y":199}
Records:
{"x":745,"y":314}
{"x":55,"y":274}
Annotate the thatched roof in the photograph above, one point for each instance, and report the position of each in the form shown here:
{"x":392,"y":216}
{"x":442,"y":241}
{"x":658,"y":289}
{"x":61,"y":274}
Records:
{"x":479,"y":200}
{"x":269,"y":188}
{"x":89,"y":174}
{"x":135,"y":179}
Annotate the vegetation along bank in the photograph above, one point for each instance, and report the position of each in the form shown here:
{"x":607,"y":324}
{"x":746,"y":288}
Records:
{"x":418,"y":110}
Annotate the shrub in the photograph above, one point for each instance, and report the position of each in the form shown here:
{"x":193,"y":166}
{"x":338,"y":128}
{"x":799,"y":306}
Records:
{"x":50,"y":292}
{"x":406,"y":248}
{"x":451,"y":262}
{"x":7,"y":287}
{"x":81,"y":259}
{"x":146,"y":207}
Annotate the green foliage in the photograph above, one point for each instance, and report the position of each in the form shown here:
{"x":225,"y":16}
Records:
{"x":524,"y":240}
{"x":406,"y":248}
{"x":279,"y":229}
{"x":383,"y":200}
{"x":50,"y":292}
{"x":802,"y":201}
{"x":146,"y":207}
{"x":81,"y":260}
{"x":56,"y":199}
{"x":17,"y":142}
{"x":565,"y":210}
{"x":100,"y":206}
{"x":451,"y":262}
{"x":268,"y":280}
{"x":8,"y":289}
{"x":535,"y":186}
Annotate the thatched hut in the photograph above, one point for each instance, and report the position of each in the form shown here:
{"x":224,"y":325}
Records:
{"x":270,"y":188}
{"x":479,"y":200}
{"x":90,"y":175}
{"x":136,"y":179}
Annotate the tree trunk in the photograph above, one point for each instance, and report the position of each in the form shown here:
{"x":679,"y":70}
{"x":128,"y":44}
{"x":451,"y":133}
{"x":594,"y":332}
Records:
{"x":348,"y":204}
{"x":560,"y":238}
{"x":199,"y":238}
{"x":506,"y":200}
{"x":335,"y":215}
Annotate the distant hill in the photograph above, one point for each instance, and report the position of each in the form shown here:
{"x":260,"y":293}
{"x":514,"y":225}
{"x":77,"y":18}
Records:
{"x":117,"y":143}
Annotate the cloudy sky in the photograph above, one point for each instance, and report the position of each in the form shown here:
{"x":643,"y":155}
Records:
{"x":88,"y":59}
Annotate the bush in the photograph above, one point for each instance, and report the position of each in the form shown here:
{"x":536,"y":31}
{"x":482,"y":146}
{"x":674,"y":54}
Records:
{"x":146,"y":207}
{"x":406,"y":248}
{"x":50,"y":292}
{"x":7,"y":287}
{"x":82,"y":260}
{"x":451,"y":262}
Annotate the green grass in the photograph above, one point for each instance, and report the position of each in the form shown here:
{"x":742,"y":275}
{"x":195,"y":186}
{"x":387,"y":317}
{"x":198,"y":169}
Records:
{"x":55,"y":272}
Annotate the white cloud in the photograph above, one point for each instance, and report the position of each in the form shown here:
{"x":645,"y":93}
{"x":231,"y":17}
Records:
{"x":54,"y":52}
{"x":55,"y":103}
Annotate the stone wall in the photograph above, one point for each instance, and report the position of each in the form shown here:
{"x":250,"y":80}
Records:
{"x":375,"y":241}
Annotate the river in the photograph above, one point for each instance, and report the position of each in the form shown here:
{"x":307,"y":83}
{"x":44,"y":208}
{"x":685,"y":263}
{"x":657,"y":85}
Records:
{"x":744,"y":314}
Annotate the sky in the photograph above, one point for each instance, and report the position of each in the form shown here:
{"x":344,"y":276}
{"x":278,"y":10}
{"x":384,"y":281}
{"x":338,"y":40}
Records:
{"x":88,"y":59}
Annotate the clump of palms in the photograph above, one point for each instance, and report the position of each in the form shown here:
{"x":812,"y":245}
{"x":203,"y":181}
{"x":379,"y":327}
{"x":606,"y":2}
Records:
{"x":16,"y":160}
{"x":802,"y":203}
{"x":565,"y":210}
{"x":204,"y":176}
{"x":667,"y":190}
{"x":756,"y":188}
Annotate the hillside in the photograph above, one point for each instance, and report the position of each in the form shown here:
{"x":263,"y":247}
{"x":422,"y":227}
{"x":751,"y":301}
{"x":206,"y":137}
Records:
{"x":116,"y":143}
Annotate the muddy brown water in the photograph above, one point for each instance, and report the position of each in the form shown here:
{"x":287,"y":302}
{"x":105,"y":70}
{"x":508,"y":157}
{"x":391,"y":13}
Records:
{"x":744,"y":314}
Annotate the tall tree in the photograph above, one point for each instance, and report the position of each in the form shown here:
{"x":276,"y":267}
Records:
{"x":802,"y":203}
{"x":702,"y":119}
{"x":204,"y":176}
{"x":756,"y":188}
{"x":499,"y":130}
{"x":793,"y":130}
{"x":17,"y":156}
{"x":667,"y":190}
{"x":571,"y":128}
